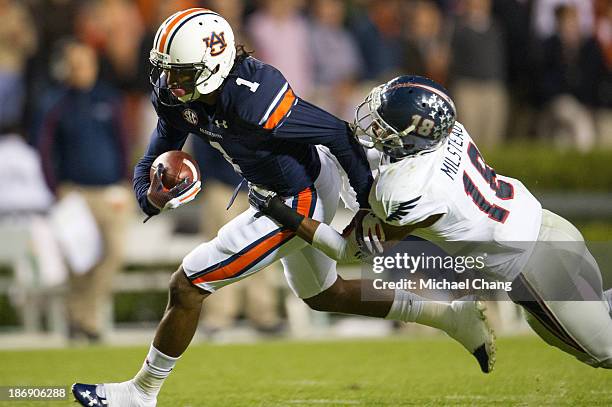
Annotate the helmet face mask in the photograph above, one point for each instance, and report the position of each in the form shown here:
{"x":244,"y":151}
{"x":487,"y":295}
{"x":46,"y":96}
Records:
{"x":193,"y":52}
{"x":175,"y":84}
{"x":407,"y":116}
{"x":370,"y":129}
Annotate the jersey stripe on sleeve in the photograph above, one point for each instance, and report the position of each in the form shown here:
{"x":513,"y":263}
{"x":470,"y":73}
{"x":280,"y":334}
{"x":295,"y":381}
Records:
{"x":278,"y":109}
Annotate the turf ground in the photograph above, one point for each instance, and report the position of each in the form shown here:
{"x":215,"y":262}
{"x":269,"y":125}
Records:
{"x":390,"y":372}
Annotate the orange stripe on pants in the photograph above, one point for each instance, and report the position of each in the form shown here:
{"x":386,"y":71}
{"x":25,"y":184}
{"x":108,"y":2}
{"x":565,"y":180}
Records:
{"x":262,"y":249}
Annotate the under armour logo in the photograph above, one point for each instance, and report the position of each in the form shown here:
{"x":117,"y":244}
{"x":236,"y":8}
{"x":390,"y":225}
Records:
{"x":221,"y":123}
{"x":91,"y":401}
{"x":87,"y":396}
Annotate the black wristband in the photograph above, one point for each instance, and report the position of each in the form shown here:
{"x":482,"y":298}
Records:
{"x":283,"y":214}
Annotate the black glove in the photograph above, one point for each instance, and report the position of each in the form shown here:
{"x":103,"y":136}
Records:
{"x":260,"y":199}
{"x":270,"y":204}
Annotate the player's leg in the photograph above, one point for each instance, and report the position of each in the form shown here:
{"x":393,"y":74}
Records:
{"x":242,"y":247}
{"x":561,"y":289}
{"x":312,"y":277}
{"x":180,"y":320}
{"x":172,"y":337}
{"x":580,"y":328}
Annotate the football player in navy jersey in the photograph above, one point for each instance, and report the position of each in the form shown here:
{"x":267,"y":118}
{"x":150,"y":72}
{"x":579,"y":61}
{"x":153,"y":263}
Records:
{"x":206,"y":86}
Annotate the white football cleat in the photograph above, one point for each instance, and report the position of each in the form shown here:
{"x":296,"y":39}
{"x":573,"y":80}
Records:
{"x":124,"y":394}
{"x":472,"y":330}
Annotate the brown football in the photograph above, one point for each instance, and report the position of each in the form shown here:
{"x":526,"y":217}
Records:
{"x":177,"y":166}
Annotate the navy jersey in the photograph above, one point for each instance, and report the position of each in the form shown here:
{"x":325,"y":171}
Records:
{"x":263,"y":129}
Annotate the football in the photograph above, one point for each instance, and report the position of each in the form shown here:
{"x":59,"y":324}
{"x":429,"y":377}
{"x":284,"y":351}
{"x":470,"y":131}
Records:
{"x":178,"y":165}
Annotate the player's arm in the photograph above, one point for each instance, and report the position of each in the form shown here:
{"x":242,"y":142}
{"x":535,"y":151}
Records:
{"x":319,"y":235}
{"x":340,"y":247}
{"x":310,"y":124}
{"x":164,"y":138}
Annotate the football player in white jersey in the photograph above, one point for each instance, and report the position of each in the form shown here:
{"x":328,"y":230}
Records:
{"x":433,"y":183}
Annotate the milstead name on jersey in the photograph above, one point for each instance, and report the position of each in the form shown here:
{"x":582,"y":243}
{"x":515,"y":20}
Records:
{"x":454,"y":147}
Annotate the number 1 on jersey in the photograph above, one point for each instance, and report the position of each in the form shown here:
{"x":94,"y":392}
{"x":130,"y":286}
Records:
{"x":251,"y":85}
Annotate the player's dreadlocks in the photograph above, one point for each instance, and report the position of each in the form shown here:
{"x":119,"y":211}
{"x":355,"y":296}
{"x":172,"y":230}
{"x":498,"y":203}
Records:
{"x":241,"y":54}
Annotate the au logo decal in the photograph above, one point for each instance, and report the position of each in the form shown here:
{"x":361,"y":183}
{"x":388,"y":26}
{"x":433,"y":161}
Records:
{"x":216,"y":43}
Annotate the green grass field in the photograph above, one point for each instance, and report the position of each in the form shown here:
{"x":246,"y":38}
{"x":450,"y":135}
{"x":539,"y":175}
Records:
{"x":391,"y":372}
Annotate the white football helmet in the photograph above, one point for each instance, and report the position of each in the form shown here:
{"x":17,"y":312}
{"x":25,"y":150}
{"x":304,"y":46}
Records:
{"x":193,"y":52}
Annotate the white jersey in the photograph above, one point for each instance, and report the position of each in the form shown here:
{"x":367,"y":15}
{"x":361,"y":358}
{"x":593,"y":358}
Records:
{"x":477,"y":204}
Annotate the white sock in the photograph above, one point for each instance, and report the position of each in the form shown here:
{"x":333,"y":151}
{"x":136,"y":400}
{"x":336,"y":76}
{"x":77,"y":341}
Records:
{"x":409,"y":307}
{"x":153,"y":372}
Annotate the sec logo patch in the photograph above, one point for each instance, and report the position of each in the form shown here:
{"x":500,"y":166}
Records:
{"x":190,"y":116}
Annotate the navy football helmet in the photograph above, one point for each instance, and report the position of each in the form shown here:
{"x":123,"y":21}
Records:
{"x":406,"y":116}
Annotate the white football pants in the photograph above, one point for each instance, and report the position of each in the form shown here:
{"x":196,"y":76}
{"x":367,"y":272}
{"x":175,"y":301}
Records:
{"x":561,"y":290}
{"x":248,"y":244}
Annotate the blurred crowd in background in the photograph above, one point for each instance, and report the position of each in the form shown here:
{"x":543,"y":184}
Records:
{"x":516,"y":68}
{"x":74,"y":89}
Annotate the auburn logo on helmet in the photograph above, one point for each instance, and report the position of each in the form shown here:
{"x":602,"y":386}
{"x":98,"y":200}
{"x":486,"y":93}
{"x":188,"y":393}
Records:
{"x":216,"y":43}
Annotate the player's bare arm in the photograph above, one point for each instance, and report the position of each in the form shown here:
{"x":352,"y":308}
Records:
{"x":364,"y":226}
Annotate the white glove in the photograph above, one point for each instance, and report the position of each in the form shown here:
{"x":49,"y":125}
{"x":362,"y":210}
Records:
{"x":165,"y":199}
{"x":186,"y":197}
{"x":371,"y":236}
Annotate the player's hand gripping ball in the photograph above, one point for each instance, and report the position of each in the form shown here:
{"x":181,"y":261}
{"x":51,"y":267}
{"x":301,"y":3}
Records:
{"x":175,"y":180}
{"x":365,"y":235}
